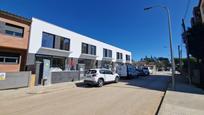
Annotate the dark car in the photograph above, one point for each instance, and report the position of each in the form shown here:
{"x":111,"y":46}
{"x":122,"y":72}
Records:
{"x":140,"y":72}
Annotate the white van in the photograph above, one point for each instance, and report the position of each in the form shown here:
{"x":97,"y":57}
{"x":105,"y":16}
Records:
{"x":126,"y":70}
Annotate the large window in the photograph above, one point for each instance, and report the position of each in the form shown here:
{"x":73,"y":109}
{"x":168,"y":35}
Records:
{"x":64,"y":44}
{"x":55,"y":41}
{"x":127,"y":57}
{"x":85,"y":48}
{"x":88,"y":49}
{"x":93,"y":50}
{"x":55,"y":62}
{"x":12,"y":30}
{"x":107,"y":53}
{"x":9,"y":58}
{"x":48,"y":40}
{"x":58,"y":62}
{"x":119,"y":55}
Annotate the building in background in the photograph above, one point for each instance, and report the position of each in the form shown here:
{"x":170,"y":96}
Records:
{"x":14,"y":38}
{"x":66,"y":50}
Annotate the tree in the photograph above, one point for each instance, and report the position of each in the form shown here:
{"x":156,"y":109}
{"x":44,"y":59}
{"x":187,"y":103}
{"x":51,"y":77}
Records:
{"x":195,"y":37}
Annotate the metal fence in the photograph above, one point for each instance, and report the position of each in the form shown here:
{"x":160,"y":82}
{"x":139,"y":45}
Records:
{"x":64,"y":76}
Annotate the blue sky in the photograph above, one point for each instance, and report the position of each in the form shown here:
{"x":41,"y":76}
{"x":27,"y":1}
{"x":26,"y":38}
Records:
{"x":122,"y":23}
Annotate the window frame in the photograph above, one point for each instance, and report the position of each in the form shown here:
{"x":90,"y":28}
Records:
{"x":119,"y":55}
{"x":108,"y":72}
{"x":107,"y":53}
{"x":53,"y":44}
{"x":6,"y":56}
{"x":62,"y":44}
{"x":13,"y":33}
{"x":127,"y":57}
{"x":88,"y":49}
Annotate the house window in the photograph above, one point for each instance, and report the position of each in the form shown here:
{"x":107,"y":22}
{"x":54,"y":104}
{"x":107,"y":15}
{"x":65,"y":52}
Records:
{"x":58,"y":62}
{"x":14,"y":30}
{"x":9,"y":58}
{"x":65,"y":44}
{"x":48,"y":40}
{"x":119,"y":55}
{"x":127,"y":57}
{"x":85,"y":48}
{"x":107,"y":53}
{"x":88,"y":49}
{"x":93,"y":50}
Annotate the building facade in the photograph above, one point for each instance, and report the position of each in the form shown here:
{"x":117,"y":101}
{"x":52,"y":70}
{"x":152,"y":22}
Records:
{"x":14,"y":38}
{"x":67,"y":50}
{"x":201,"y":4}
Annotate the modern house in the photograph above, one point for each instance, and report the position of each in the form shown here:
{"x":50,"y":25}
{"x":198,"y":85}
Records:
{"x":14,"y":38}
{"x":67,"y":50}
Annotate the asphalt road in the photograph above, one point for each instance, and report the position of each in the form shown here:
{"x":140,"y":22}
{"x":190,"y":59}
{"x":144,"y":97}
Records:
{"x":139,"y":96}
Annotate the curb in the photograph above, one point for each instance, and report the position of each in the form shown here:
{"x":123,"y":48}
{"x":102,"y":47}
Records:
{"x":161,"y":102}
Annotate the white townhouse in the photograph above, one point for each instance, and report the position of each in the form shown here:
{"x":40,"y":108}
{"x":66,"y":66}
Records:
{"x":66,"y":49}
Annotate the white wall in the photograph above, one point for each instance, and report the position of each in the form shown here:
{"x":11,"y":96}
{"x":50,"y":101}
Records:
{"x":39,"y":26}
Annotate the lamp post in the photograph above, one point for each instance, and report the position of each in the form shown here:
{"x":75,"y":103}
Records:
{"x":170,"y":39}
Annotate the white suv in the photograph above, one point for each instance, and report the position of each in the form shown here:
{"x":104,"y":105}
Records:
{"x":100,"y":76}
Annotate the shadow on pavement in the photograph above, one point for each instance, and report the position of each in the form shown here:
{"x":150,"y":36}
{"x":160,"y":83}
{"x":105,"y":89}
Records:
{"x":82,"y":85}
{"x":182,"y":85}
{"x":153,"y":82}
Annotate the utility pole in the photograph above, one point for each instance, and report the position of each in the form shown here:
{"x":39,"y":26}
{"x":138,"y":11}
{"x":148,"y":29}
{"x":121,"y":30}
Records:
{"x":170,"y":40}
{"x":179,"y":54}
{"x":187,"y":51}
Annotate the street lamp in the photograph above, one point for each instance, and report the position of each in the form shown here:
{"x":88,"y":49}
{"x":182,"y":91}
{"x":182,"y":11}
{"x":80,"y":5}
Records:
{"x":170,"y":39}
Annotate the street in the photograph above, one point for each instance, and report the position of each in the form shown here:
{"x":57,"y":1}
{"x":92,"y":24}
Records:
{"x":140,"y":96}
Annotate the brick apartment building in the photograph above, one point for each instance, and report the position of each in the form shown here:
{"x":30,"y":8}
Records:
{"x":14,"y":38}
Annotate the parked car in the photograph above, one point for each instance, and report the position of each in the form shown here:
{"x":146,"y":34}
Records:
{"x":146,"y":70}
{"x":150,"y":70}
{"x":100,"y":76}
{"x":140,"y":72}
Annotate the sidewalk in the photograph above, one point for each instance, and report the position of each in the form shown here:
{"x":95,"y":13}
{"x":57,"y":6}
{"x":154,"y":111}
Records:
{"x":23,"y":92}
{"x":184,"y":100}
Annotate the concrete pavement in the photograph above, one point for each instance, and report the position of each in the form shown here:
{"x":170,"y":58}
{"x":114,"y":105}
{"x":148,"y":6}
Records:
{"x":184,"y":100}
{"x":129,"y":97}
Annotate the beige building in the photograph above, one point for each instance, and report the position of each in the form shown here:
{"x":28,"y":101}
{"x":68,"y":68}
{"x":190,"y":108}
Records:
{"x":14,"y":38}
{"x":201,"y":4}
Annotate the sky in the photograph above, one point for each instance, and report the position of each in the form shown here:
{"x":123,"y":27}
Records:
{"x":122,"y":23}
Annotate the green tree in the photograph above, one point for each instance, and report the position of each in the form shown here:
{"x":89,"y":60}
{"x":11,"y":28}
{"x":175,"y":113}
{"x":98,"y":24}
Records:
{"x":195,"y":37}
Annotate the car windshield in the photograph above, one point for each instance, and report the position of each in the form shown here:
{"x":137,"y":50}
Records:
{"x":91,"y":72}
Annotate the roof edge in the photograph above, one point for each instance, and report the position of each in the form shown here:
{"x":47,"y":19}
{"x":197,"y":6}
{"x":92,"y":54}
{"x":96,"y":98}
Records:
{"x":17,"y":17}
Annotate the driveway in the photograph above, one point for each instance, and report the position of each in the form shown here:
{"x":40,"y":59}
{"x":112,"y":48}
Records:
{"x":139,"y":96}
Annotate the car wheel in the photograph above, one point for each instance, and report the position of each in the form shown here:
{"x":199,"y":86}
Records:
{"x":100,"y":82}
{"x":117,"y":79}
